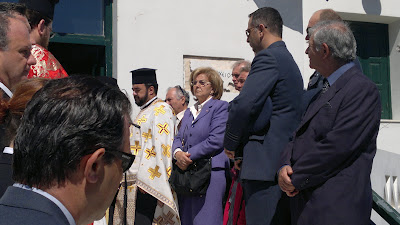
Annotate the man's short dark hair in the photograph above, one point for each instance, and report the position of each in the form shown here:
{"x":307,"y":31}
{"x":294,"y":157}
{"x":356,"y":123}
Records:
{"x":10,"y":8}
{"x":154,"y":85}
{"x":66,"y":120}
{"x":4,"y":28}
{"x":34,"y":17}
{"x":271,"y":19}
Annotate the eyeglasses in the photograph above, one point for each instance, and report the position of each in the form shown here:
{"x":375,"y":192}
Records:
{"x":201,"y":82}
{"x":251,"y":28}
{"x":248,"y":31}
{"x":308,"y":32}
{"x":127,"y":159}
{"x":236,"y":75}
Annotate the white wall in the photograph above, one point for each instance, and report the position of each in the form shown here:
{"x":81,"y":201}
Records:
{"x":157,"y":34}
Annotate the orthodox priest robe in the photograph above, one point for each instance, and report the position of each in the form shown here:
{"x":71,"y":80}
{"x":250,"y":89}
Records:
{"x":151,"y":138}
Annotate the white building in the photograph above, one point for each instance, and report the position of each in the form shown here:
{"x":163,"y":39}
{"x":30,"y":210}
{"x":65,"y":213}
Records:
{"x":174,"y":35}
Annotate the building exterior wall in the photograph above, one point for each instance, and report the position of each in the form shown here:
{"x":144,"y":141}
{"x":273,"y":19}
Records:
{"x":158,"y":34}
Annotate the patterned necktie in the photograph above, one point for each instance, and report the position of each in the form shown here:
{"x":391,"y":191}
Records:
{"x":325,"y":86}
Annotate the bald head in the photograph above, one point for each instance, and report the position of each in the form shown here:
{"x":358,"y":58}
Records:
{"x":322,"y":15}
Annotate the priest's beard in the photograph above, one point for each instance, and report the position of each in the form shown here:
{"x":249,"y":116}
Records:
{"x":141,"y":101}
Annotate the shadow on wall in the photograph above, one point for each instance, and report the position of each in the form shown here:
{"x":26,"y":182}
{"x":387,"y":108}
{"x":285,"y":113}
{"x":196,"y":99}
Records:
{"x":291,"y":12}
{"x":372,"y":6}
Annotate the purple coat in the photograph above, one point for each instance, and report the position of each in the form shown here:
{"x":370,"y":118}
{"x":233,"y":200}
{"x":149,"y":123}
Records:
{"x":204,"y":138}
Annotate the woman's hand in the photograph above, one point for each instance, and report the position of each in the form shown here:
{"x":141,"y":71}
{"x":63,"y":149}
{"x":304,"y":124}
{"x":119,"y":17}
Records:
{"x":183,"y":160}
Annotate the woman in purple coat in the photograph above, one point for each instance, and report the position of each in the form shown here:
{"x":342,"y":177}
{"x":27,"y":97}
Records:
{"x":202,"y":130}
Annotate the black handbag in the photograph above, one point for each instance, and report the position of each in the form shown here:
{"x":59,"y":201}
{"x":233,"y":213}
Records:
{"x":194,"y":180}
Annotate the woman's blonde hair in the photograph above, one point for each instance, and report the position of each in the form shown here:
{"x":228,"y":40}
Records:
{"x":213,"y":77}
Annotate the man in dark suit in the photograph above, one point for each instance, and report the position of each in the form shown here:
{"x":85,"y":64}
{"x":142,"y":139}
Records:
{"x":315,"y":82}
{"x":70,"y":171}
{"x":326,"y":168}
{"x":273,"y":74}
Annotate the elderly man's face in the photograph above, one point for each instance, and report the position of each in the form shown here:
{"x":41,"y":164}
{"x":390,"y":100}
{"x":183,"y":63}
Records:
{"x":313,"y":20}
{"x":235,"y":76}
{"x":172,"y":99}
{"x":314,"y":55}
{"x":16,"y":59}
{"x":241,"y":79}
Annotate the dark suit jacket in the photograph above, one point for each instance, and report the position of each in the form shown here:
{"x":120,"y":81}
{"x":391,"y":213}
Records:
{"x":204,"y":137}
{"x":273,"y":74}
{"x":332,"y":151}
{"x":24,"y":207}
{"x":5,"y":172}
{"x":315,"y":85}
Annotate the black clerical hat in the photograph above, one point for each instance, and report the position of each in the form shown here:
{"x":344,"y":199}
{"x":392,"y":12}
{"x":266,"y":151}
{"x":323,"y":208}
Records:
{"x":144,"y":76}
{"x":44,"y":7}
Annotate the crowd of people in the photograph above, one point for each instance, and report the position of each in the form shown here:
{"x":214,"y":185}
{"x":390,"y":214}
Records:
{"x":276,"y":154}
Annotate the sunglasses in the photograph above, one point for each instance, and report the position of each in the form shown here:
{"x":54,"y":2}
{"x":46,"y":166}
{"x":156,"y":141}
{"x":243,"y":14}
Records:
{"x":127,"y":159}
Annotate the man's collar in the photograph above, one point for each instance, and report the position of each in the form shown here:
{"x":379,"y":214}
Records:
{"x":67,"y":214}
{"x":6,"y":90}
{"x":335,"y":75}
{"x":180,"y":115}
{"x":148,"y":103}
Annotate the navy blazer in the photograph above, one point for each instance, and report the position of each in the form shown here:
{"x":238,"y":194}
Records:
{"x":5,"y":172}
{"x":332,"y":152}
{"x":273,"y":74}
{"x":204,"y":137}
{"x":25,"y":207}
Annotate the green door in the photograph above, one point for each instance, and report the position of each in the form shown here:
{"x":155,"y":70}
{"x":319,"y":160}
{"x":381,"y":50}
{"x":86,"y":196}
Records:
{"x":373,"y":53}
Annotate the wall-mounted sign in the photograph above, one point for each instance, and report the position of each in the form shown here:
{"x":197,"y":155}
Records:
{"x":222,"y":65}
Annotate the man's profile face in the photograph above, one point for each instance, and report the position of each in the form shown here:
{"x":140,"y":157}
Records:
{"x":172,"y":100}
{"x":140,"y":94}
{"x":241,"y":79}
{"x":16,"y":59}
{"x":314,"y":55}
{"x":235,"y":75}
{"x":253,"y":38}
{"x":112,"y":176}
{"x":313,"y":20}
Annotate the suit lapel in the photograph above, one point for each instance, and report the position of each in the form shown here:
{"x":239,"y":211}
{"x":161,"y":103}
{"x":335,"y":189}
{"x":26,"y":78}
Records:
{"x":327,"y":96}
{"x":205,"y":110}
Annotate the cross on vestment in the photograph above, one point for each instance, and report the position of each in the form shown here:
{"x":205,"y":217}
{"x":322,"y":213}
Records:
{"x":136,"y":148}
{"x":166,"y":150}
{"x":141,"y":120}
{"x":163,"y":128}
{"x":154,"y":172}
{"x":168,"y":218}
{"x":169,"y":170}
{"x":159,"y":110}
{"x":147,"y":135}
{"x":150,"y":153}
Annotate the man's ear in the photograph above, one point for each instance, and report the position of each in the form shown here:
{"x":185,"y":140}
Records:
{"x":94,"y":166}
{"x":41,"y":27}
{"x":325,"y":50}
{"x":151,"y":90}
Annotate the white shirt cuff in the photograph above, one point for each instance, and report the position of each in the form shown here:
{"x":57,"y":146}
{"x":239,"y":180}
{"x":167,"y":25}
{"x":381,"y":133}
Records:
{"x":177,"y":150}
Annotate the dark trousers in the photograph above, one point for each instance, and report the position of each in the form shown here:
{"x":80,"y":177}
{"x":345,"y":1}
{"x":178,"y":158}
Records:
{"x":145,"y":208}
{"x":265,"y":203}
